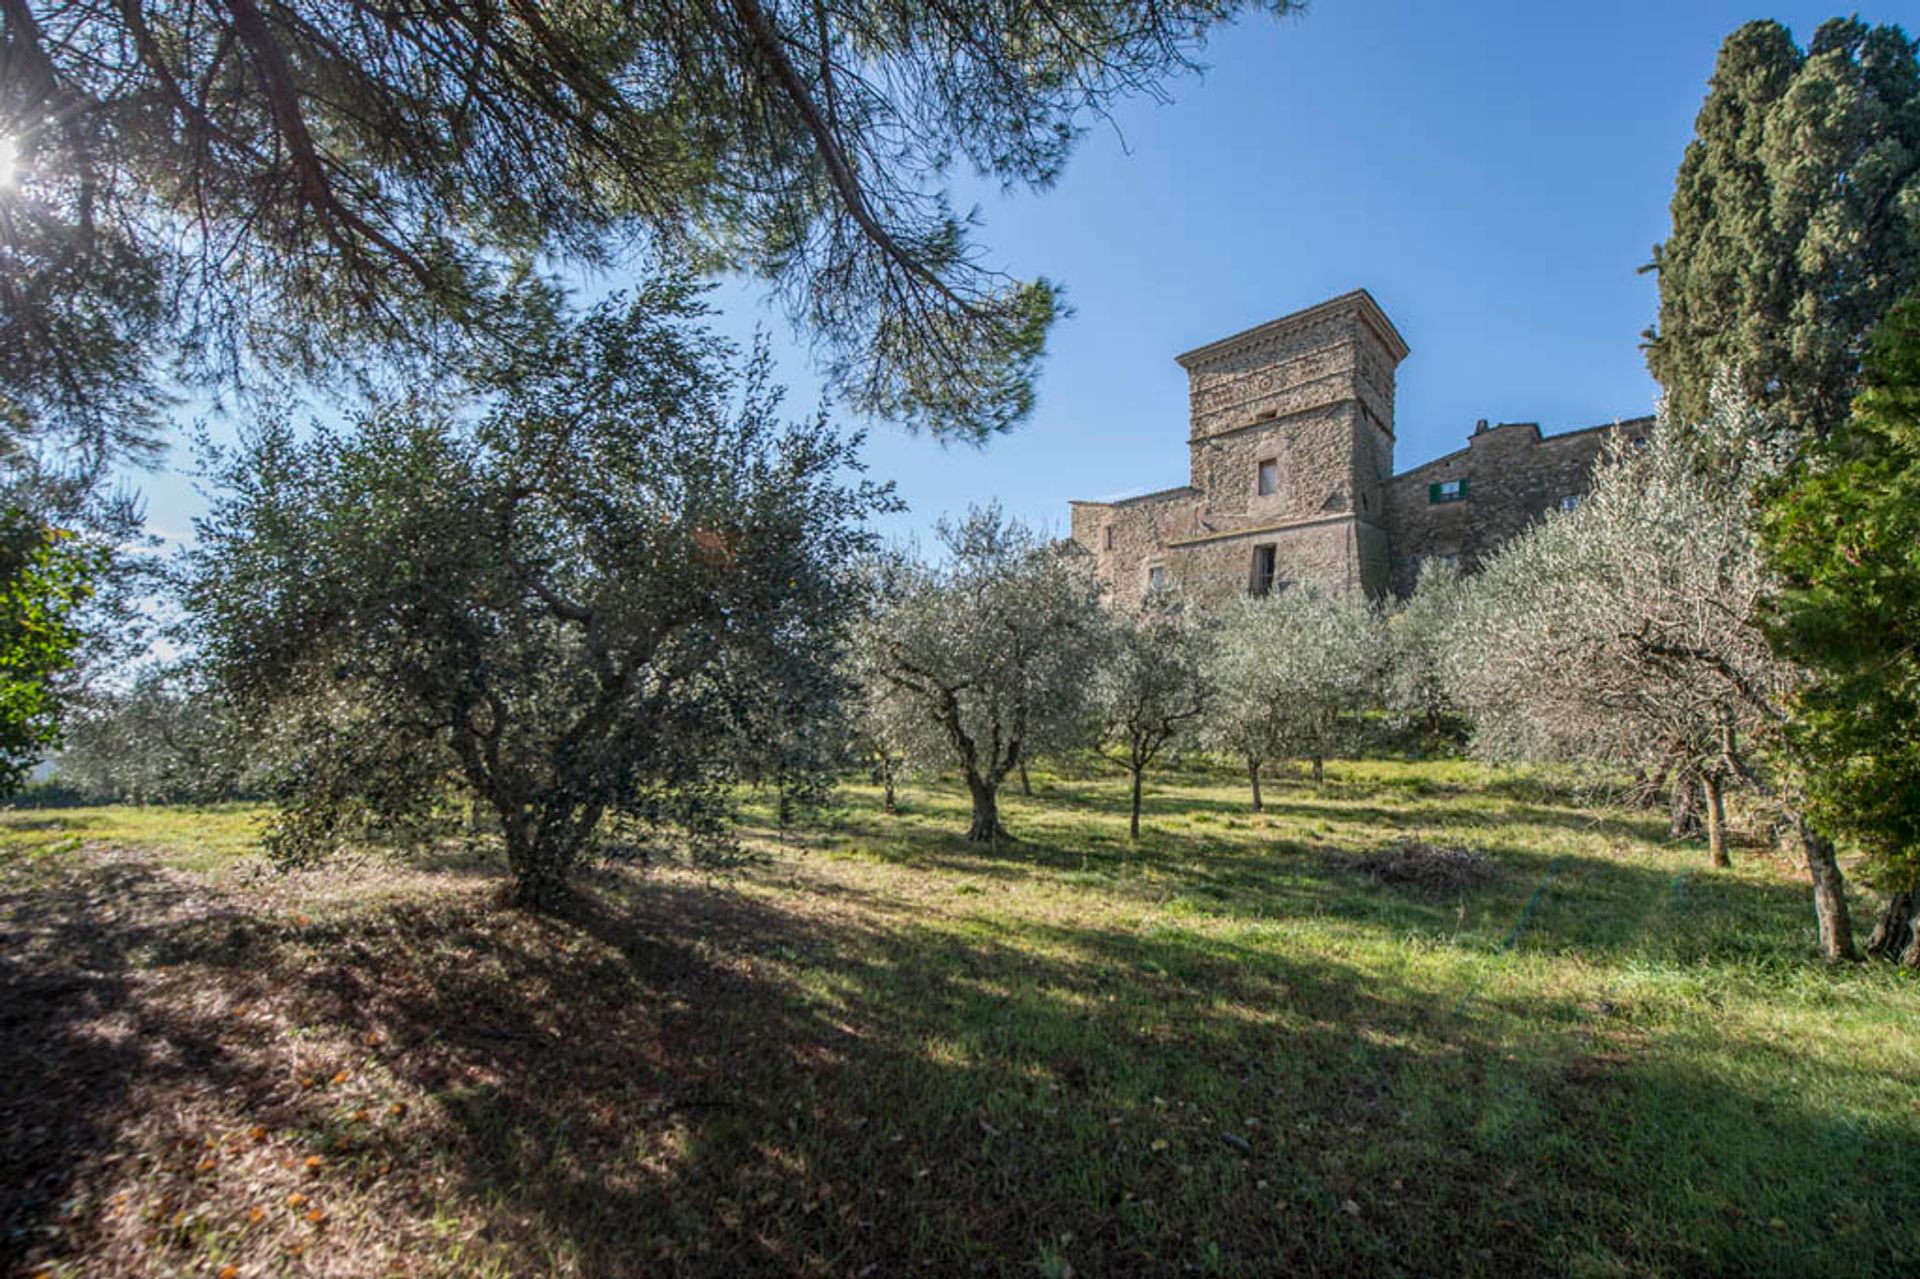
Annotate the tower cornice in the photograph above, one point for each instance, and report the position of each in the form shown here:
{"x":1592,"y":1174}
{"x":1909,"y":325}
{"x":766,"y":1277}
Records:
{"x":1358,"y":303}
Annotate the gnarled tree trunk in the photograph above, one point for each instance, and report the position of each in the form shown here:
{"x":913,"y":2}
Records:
{"x":986,"y":827}
{"x":1253,"y":776}
{"x":1026,"y":787}
{"x":1897,"y":935}
{"x":1319,"y":770}
{"x":1133,"y":826}
{"x":544,"y":843}
{"x":1829,"y":896}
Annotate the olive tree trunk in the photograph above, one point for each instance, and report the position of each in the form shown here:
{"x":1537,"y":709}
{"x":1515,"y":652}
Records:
{"x":542,"y":852}
{"x":1253,"y":776}
{"x":1683,"y":804}
{"x":1829,"y":896}
{"x":1897,"y":935}
{"x":1133,"y":825}
{"x":986,"y":827}
{"x":884,"y":767}
{"x":1714,"y":784}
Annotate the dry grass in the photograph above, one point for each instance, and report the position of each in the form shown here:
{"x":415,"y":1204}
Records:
{"x":1430,"y":870}
{"x":885,"y":1052}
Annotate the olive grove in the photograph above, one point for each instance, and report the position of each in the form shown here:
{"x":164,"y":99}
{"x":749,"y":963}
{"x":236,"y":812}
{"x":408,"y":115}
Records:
{"x":1291,"y":674}
{"x":979,"y":657}
{"x":1627,"y":632}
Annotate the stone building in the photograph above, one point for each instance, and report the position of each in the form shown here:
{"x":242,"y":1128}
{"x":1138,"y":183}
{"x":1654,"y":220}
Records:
{"x":1291,"y":472}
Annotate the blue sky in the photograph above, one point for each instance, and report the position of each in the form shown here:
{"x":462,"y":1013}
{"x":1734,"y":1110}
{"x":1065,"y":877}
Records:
{"x":1493,"y":172}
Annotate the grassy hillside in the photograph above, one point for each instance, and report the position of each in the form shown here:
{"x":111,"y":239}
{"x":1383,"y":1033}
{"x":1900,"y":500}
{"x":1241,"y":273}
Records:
{"x":1427,"y":1019}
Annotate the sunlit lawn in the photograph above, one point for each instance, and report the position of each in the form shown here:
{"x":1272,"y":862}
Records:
{"x":884,"y":1051}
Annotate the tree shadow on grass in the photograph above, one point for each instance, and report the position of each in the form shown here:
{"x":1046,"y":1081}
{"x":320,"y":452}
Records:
{"x":80,"y":1029}
{"x":677,"y":1078}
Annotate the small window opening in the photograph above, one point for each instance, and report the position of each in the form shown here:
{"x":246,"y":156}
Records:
{"x":1447,"y":491}
{"x":1109,"y":537}
{"x":1269,"y":477}
{"x":1570,"y":502}
{"x":1156,"y":578}
{"x":1265,"y":561}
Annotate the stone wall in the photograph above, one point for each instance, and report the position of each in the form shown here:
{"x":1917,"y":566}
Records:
{"x":1342,"y":350}
{"x":1128,"y":537}
{"x":1314,"y":456}
{"x":1313,"y":393}
{"x":1332,"y":553}
{"x":1513,"y":476}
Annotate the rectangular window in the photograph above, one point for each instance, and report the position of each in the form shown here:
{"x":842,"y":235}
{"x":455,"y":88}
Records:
{"x":1156,"y":578}
{"x":1109,"y":537}
{"x":1264,"y":561}
{"x":1570,"y":502}
{"x":1269,"y":481}
{"x":1447,"y":491}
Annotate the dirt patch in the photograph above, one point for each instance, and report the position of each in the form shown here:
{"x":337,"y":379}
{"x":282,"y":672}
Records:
{"x":1431,"y":870}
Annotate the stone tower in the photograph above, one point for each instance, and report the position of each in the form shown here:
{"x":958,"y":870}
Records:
{"x":1291,"y":450}
{"x":1291,"y":460}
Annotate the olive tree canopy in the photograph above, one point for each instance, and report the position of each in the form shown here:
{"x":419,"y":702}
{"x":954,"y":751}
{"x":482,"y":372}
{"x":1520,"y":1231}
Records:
{"x":1627,"y":632}
{"x":1150,"y":688}
{"x":1289,"y":673}
{"x":987,"y":653}
{"x":599,"y":596}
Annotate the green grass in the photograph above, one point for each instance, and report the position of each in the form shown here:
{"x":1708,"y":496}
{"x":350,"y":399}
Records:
{"x":208,"y":839}
{"x":1226,"y":1049}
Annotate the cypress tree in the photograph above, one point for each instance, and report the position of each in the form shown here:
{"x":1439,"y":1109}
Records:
{"x":1796,"y":221}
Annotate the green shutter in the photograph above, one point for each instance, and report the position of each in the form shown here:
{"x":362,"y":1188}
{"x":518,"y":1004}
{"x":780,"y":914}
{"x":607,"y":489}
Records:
{"x":1433,"y":494}
{"x":1463,"y":488}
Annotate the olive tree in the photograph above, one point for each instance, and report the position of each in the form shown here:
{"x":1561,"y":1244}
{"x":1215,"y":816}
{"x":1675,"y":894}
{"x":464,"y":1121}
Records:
{"x":1417,"y":633}
{"x":1290,"y":673}
{"x":161,"y":739}
{"x":990,"y":649}
{"x":1150,"y":688}
{"x":1626,"y":632}
{"x":887,"y":734}
{"x":587,"y":598}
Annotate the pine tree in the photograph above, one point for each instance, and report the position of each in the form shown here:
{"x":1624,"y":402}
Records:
{"x":1796,"y":221}
{"x":262,"y":178}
